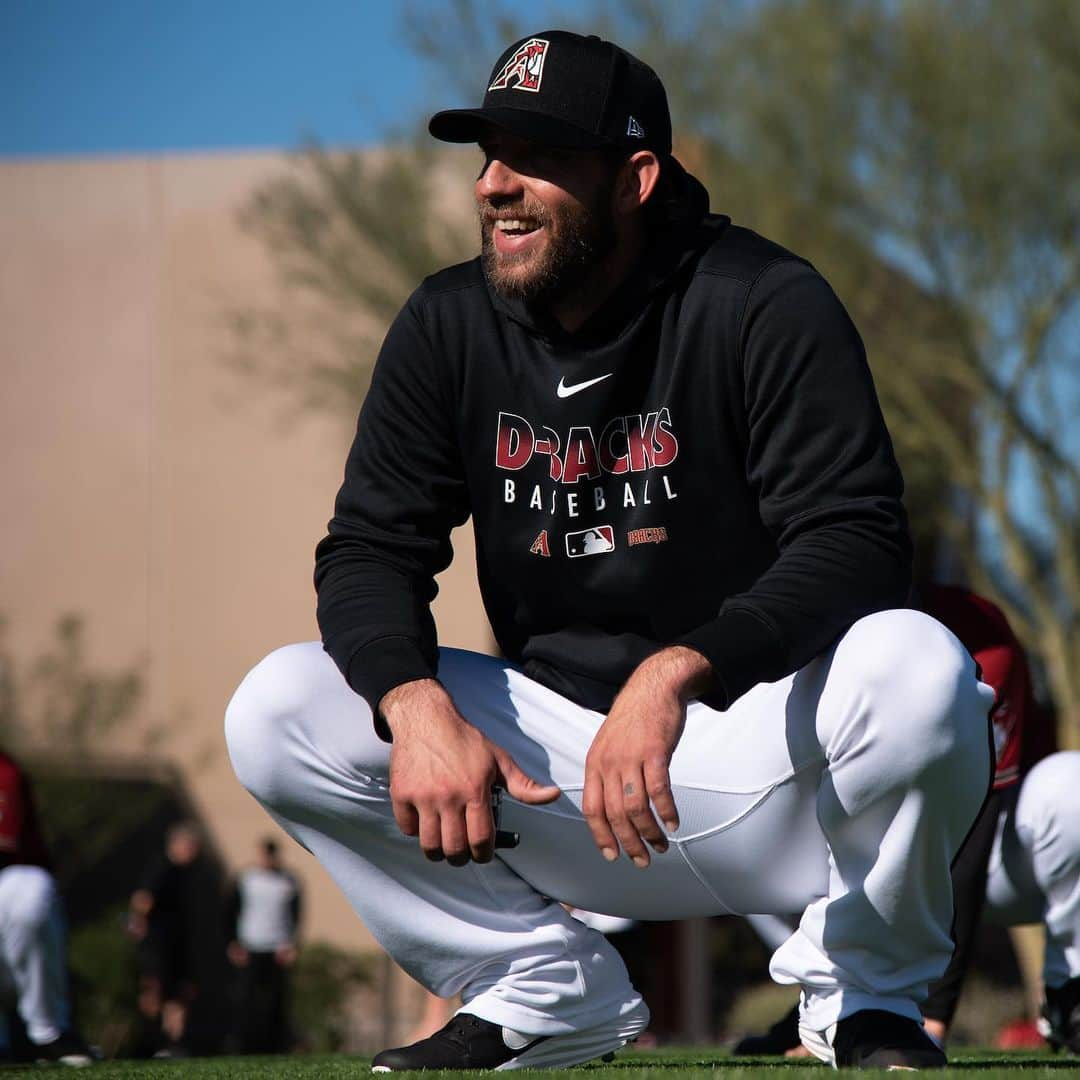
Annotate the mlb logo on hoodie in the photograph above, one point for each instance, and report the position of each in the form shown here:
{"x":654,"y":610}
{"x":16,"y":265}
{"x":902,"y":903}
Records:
{"x":598,"y":540}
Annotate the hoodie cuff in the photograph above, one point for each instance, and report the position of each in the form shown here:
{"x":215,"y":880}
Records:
{"x":377,"y":668}
{"x":743,"y":651}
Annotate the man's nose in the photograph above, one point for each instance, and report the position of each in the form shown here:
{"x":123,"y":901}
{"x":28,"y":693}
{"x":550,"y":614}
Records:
{"x":497,"y":179}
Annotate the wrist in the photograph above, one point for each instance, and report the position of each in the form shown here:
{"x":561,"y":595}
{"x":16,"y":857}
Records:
{"x":682,"y":671}
{"x":409,"y":700}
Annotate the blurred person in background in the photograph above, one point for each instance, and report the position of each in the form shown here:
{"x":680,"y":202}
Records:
{"x":1021,"y":861}
{"x":162,"y":918}
{"x":263,"y":917}
{"x":33,"y":931}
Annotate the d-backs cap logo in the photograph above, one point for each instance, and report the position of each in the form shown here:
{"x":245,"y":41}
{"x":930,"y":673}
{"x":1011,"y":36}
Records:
{"x":525,"y":69}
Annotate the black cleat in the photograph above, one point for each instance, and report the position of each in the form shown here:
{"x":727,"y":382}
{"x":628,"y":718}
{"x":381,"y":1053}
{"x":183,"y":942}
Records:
{"x":875,"y":1039}
{"x":467,"y":1042}
{"x":778,"y":1040}
{"x":1060,"y":1022}
{"x":67,"y":1049}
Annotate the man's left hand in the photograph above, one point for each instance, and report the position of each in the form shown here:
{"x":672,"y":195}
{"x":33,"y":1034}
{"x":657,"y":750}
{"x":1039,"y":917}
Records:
{"x":627,"y":764}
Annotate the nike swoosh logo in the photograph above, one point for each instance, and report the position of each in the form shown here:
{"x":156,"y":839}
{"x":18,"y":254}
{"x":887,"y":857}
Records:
{"x":514,"y":1040}
{"x":565,"y":391}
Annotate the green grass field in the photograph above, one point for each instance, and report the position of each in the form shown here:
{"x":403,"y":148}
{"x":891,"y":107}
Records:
{"x":680,"y":1064}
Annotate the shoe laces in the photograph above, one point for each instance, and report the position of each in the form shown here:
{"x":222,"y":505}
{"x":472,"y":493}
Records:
{"x":460,"y":1027}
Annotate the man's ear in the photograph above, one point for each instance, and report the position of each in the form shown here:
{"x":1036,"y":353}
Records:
{"x":637,"y":180}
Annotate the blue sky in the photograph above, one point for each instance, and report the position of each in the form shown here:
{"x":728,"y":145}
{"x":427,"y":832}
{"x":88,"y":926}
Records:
{"x":131,"y":76}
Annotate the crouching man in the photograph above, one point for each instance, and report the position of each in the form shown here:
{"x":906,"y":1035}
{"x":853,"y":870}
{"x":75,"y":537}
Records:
{"x":693,"y":553}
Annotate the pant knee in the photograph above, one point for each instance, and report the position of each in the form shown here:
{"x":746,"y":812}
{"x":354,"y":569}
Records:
{"x":260,"y":716}
{"x":1048,"y":808}
{"x":34,"y":901}
{"x":919,"y":679}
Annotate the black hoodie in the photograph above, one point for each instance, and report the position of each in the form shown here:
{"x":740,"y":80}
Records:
{"x":703,"y":462}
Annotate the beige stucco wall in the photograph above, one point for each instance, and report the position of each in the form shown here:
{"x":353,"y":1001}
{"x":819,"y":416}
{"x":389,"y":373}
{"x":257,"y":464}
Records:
{"x":144,"y":485}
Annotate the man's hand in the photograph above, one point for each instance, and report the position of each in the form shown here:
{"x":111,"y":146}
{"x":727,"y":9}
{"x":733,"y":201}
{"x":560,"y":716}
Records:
{"x":627,"y":764}
{"x":442,"y":770}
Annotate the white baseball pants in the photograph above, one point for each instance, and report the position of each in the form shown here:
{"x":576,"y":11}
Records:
{"x":1033,"y":875}
{"x":33,"y":951}
{"x":843,"y":790}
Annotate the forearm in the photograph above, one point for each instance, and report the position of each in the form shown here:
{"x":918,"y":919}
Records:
{"x":402,"y":494}
{"x":828,"y":489}
{"x":409,"y":707}
{"x":372,"y":613}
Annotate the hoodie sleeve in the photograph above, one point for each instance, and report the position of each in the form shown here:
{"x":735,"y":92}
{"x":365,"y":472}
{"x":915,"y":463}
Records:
{"x":403,"y":492}
{"x":829,"y":489}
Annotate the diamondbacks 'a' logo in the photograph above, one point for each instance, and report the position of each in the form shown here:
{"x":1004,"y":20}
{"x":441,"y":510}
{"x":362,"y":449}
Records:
{"x":525,"y":69}
{"x":540,"y":545}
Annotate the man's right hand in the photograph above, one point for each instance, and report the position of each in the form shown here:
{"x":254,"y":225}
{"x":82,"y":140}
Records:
{"x":442,"y":770}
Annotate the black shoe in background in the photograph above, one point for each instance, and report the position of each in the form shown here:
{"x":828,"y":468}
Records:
{"x":467,"y":1042}
{"x":1060,"y":1024}
{"x":172,"y":1050}
{"x":68,"y":1049}
{"x":876,"y":1039}
{"x":778,"y":1040}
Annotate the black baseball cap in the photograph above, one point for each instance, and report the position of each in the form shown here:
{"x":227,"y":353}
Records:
{"x":565,"y":90}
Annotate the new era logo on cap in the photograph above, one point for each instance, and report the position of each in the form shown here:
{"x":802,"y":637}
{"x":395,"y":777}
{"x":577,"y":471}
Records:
{"x":634,"y":130}
{"x":525,"y":69}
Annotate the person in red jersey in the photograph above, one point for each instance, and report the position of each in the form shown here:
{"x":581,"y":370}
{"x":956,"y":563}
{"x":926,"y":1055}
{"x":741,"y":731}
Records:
{"x":33,"y":933}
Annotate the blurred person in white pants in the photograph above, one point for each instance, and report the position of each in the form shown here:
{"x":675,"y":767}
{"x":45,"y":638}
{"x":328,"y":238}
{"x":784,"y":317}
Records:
{"x":33,"y":929}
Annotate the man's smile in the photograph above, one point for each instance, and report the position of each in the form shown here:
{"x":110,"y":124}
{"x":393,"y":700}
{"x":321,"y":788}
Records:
{"x":515,"y":235}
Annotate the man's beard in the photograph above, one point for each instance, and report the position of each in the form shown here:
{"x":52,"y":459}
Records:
{"x":578,"y":239}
